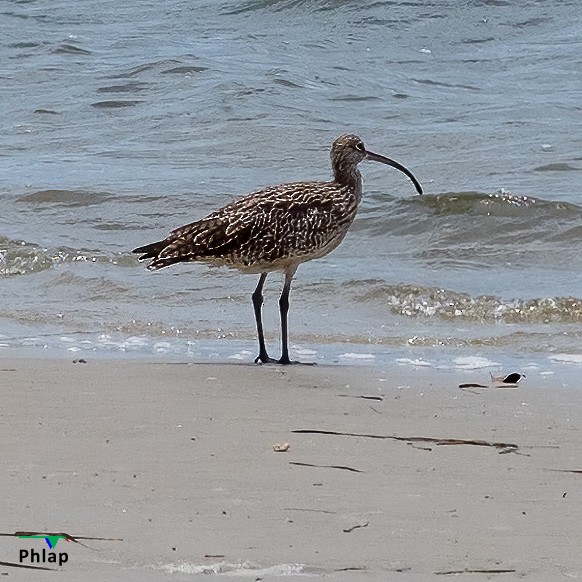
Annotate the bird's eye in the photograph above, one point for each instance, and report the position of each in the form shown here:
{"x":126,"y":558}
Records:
{"x":360,"y":147}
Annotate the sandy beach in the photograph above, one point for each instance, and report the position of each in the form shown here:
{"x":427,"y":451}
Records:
{"x":389,"y":474}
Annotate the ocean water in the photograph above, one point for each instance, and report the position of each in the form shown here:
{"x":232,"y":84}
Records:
{"x":122,"y":121}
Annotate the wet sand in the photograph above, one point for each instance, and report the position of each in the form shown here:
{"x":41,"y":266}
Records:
{"x":178,"y":461}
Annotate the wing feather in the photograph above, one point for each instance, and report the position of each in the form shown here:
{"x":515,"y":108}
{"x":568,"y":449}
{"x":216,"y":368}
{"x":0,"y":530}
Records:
{"x":272,"y":224}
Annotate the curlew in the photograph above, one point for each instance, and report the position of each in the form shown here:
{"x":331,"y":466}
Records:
{"x":276,"y":229}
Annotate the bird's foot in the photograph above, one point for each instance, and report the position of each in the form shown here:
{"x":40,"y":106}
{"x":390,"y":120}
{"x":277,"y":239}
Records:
{"x":282,"y":361}
{"x":285,"y":361}
{"x":264,"y":359}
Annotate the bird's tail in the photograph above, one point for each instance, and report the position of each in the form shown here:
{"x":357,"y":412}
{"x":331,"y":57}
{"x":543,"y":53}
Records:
{"x":160,"y":255}
{"x":181,"y":246}
{"x":150,"y":251}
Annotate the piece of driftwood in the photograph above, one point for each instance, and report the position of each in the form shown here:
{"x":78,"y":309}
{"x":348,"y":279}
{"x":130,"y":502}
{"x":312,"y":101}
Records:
{"x":64,"y":535}
{"x":308,"y":509}
{"x":512,"y":378}
{"x":27,"y":566}
{"x":326,"y":466}
{"x":475,"y":571}
{"x":357,"y":526}
{"x":364,"y":396}
{"x":507,"y":381}
{"x":415,"y":439}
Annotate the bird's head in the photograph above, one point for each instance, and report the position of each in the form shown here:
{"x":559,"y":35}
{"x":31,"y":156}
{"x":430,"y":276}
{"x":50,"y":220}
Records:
{"x":347,"y":151}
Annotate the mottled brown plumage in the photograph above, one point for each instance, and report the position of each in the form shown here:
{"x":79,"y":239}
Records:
{"x":275,"y":229}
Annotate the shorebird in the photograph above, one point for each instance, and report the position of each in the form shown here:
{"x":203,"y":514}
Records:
{"x":276,"y":229}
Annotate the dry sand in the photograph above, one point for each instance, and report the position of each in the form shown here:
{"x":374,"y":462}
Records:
{"x":178,"y":461}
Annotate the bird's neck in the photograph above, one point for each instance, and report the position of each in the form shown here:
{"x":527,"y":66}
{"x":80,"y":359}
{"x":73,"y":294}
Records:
{"x":348,"y":175}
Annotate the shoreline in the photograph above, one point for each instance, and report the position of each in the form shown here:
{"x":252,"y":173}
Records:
{"x":227,"y":350}
{"x":397,"y":471}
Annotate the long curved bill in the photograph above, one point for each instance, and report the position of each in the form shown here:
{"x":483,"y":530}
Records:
{"x":384,"y":160}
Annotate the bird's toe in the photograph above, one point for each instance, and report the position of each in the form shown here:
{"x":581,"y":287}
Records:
{"x":264,"y":359}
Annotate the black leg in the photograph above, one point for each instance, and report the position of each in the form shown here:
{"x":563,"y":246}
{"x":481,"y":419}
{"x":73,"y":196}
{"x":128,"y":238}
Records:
{"x":258,"y":305}
{"x":284,"y":308}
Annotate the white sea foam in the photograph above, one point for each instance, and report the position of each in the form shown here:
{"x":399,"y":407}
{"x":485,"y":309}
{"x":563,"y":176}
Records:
{"x":162,"y":347}
{"x":303,"y":351}
{"x":354,"y":356}
{"x":133,"y":343}
{"x":566,"y":358}
{"x":473,"y":363}
{"x":31,"y":341}
{"x":242,"y":355}
{"x":415,"y":362}
{"x":246,"y":569}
